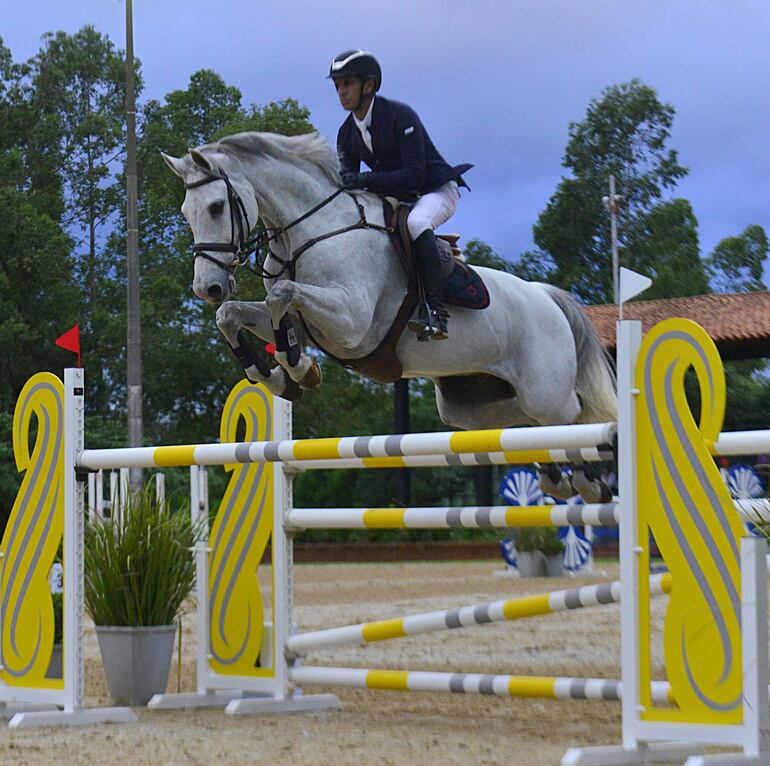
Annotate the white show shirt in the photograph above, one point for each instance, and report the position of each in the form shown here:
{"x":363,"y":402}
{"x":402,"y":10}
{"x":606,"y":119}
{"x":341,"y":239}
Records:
{"x":363,"y":126}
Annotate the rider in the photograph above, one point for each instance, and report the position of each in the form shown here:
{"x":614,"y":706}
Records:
{"x":390,"y":138}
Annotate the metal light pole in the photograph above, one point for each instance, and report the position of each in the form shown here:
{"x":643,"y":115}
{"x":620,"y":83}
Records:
{"x":611,"y":204}
{"x":134,"y":339}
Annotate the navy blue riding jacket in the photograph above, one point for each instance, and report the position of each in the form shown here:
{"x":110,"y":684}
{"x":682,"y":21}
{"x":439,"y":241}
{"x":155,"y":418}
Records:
{"x":404,"y":159}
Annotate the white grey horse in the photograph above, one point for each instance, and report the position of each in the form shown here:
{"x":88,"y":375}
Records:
{"x":530,"y":358}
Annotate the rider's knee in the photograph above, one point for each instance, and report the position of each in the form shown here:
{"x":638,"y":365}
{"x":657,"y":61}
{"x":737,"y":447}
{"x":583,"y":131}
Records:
{"x":417,"y":223}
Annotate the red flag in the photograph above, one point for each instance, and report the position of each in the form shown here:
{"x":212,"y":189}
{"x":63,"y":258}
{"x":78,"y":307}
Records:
{"x":71,"y":341}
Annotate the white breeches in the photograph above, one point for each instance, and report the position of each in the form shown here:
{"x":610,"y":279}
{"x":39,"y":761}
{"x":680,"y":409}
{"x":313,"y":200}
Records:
{"x":433,"y":209}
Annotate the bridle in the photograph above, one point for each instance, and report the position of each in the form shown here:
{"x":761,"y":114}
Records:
{"x":239,"y":228}
{"x":241,"y":246}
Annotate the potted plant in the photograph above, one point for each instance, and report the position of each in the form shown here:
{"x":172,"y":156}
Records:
{"x":552,"y":548}
{"x":139,"y":569}
{"x":539,"y":552}
{"x":529,"y":558}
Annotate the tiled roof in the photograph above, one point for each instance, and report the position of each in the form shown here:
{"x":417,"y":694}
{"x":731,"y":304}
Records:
{"x":739,"y":323}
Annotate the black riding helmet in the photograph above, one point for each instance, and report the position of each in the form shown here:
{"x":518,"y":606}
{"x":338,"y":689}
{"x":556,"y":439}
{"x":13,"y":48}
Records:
{"x":356,"y":63}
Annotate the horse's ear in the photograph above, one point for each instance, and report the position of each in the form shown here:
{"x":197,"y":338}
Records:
{"x":177,"y":164}
{"x":201,"y":160}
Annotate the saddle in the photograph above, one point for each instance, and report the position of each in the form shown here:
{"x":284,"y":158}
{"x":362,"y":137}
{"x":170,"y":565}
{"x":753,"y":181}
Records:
{"x":462,"y":287}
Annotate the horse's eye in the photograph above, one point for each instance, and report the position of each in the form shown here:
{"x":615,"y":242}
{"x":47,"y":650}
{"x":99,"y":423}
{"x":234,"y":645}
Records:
{"x":217,"y":208}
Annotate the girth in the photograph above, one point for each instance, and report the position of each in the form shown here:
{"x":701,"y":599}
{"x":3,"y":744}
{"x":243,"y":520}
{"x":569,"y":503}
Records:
{"x":382,"y":365}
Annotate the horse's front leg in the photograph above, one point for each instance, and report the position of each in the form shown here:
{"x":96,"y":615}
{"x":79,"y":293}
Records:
{"x":334,"y":311}
{"x":233,"y":318}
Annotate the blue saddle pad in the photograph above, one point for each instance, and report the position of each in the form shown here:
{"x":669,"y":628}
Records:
{"x":464,"y":287}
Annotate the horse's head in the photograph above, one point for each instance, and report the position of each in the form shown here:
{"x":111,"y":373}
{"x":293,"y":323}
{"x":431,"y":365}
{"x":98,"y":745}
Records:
{"x":221,"y":209}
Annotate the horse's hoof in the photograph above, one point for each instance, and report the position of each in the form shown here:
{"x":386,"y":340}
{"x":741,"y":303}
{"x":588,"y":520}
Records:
{"x":291,"y":391}
{"x":312,"y":377}
{"x":553,"y":482}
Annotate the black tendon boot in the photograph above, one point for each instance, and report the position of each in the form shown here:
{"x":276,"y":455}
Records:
{"x":431,"y":322}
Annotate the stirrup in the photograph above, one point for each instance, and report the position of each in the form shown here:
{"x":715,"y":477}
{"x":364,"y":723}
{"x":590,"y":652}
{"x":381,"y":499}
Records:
{"x":431,"y":322}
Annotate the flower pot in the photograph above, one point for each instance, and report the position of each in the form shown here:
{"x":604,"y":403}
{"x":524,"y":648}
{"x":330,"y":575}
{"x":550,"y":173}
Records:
{"x":530,"y":563}
{"x":136,"y":660}
{"x":554,"y":565}
{"x":55,"y":665}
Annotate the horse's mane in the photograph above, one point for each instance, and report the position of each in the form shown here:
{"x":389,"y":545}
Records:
{"x":310,"y":147}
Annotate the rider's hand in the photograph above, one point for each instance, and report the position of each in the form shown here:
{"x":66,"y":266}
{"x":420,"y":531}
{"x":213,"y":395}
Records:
{"x":354,"y":180}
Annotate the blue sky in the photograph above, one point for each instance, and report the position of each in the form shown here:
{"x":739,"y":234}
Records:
{"x":496,"y":83}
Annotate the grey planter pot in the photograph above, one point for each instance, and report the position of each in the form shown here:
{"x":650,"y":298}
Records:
{"x":554,"y":565}
{"x":55,"y":665}
{"x":136,"y":661}
{"x":530,"y":563}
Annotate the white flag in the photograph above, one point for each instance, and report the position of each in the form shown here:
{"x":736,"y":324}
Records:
{"x":631,"y":284}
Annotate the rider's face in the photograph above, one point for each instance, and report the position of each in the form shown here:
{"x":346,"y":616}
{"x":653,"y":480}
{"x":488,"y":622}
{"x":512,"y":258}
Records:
{"x":348,"y":92}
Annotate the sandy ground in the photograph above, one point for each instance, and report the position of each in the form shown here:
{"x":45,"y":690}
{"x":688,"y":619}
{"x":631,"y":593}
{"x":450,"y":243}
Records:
{"x":378,"y":727}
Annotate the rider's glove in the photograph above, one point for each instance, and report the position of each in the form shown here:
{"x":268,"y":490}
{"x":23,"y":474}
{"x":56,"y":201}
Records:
{"x":354,"y":180}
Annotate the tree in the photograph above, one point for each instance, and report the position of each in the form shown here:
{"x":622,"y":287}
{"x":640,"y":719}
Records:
{"x":736,"y":264}
{"x":479,"y":253}
{"x":78,"y":89}
{"x":625,"y":134}
{"x":37,"y":295}
{"x":77,"y":95}
{"x":667,"y":247}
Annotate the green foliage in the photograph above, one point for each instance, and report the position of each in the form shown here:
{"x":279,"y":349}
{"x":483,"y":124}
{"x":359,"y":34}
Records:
{"x":58,"y":618}
{"x":479,"y":253}
{"x":737,"y":264}
{"x":543,"y":539}
{"x":748,"y":395}
{"x":666,"y":248}
{"x":139,"y":567}
{"x":625,"y":133}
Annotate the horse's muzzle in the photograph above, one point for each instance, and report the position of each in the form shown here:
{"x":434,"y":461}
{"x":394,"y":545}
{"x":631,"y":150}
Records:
{"x":214,"y":292}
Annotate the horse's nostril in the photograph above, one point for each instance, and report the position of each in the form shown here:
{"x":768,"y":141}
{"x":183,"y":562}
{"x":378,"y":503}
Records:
{"x":215,"y":291}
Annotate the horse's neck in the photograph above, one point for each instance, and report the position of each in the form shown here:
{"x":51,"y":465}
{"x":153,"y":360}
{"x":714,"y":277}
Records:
{"x":286,"y":192}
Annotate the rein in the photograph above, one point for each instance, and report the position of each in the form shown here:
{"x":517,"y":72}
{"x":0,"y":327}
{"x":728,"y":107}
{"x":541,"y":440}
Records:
{"x":241,"y":247}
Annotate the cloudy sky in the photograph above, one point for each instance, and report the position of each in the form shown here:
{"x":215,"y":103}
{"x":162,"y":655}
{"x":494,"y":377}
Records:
{"x":496,"y":83}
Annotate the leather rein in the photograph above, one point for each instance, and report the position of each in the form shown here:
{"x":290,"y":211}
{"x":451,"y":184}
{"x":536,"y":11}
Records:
{"x":241,"y":246}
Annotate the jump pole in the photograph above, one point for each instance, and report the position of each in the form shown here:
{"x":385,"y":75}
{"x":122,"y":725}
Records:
{"x":480,"y":614}
{"x":466,"y":517}
{"x":471,"y":683}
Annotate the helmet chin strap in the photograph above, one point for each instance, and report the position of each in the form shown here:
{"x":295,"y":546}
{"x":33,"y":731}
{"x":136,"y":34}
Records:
{"x":362,"y":97}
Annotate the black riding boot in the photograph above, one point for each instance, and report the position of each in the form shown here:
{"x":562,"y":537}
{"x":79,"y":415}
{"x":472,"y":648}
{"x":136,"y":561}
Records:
{"x":431,"y":322}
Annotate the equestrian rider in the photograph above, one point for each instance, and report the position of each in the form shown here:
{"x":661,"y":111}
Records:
{"x":390,"y":138}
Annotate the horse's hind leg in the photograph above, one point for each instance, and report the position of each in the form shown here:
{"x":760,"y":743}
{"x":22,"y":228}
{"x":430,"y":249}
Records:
{"x":588,"y":486}
{"x":553,"y":482}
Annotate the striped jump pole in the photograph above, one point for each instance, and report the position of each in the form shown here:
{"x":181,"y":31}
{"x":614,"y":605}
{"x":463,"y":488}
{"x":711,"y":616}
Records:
{"x":470,"y":517}
{"x":482,"y":517}
{"x":472,"y":683}
{"x":540,"y":444}
{"x":497,"y":611}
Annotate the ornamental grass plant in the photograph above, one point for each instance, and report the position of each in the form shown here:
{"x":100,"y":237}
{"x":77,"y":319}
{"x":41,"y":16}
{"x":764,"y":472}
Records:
{"x":543,"y":539}
{"x":140,"y":566}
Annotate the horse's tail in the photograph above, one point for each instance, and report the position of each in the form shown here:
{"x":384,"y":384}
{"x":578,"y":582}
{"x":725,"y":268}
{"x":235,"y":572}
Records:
{"x":595,"y":382}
